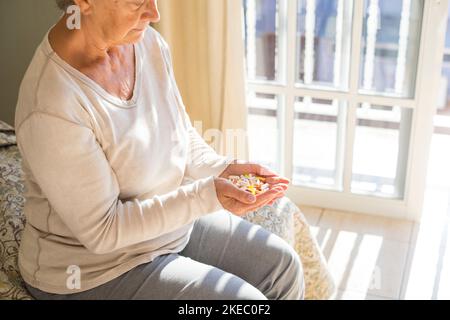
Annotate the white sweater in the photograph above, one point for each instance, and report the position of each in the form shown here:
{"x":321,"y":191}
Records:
{"x":109,"y":184}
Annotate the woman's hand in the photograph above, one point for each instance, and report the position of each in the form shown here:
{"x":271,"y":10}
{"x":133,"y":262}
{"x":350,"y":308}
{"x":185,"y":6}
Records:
{"x":241,"y":202}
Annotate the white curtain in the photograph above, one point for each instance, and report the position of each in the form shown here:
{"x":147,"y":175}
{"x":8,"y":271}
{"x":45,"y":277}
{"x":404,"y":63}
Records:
{"x":206,"y":40}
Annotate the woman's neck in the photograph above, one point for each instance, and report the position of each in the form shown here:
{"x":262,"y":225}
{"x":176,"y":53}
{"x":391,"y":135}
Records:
{"x":80,"y":47}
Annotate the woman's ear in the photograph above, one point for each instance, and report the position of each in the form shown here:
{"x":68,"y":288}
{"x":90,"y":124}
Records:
{"x":84,"y":5}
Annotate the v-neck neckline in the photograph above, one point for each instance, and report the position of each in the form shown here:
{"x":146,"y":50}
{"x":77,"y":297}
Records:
{"x":96,"y":86}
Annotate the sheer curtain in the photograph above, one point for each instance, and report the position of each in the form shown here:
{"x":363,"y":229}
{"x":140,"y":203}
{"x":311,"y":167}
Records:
{"x":206,"y":41}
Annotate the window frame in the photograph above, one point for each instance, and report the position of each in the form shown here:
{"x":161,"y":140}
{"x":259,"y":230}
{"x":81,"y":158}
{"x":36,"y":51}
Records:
{"x":431,"y":50}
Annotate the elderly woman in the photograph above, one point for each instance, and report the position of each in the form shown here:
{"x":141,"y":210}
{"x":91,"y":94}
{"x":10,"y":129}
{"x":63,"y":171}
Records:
{"x":124,"y":200}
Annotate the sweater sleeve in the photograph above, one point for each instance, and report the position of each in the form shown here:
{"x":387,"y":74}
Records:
{"x":75,"y":176}
{"x":203,"y":160}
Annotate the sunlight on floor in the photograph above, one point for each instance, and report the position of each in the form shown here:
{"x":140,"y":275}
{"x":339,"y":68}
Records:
{"x":351,"y":252}
{"x":428,"y":271}
{"x":380,"y":258}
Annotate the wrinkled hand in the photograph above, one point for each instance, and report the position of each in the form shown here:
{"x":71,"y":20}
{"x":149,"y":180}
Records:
{"x":240,"y":202}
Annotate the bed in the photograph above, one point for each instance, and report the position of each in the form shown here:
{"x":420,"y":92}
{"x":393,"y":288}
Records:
{"x":283,"y":218}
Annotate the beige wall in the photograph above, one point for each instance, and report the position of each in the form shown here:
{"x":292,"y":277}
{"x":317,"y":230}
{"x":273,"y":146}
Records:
{"x":23,"y":23}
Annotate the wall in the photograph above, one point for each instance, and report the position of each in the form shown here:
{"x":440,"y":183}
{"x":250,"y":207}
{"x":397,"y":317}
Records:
{"x":23,"y":23}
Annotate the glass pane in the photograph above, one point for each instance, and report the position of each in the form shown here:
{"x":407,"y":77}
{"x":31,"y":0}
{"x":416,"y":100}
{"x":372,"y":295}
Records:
{"x":261,"y":39}
{"x":390,"y":47}
{"x":324,"y":42}
{"x":318,"y":142}
{"x":442,"y":119}
{"x":263,"y":129}
{"x":381,"y":150}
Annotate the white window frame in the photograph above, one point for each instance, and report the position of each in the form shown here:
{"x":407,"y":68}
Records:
{"x":424,"y":104}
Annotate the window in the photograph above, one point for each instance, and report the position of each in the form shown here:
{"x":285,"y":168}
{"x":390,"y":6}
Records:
{"x":323,"y":43}
{"x":390,"y":46}
{"x":318,"y":126}
{"x":442,"y":119}
{"x":261,"y":40}
{"x":332,"y":93}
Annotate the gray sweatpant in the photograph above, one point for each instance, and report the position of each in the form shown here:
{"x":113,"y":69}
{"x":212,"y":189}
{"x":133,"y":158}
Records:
{"x":226,"y":258}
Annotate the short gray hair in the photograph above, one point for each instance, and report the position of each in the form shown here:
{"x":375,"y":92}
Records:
{"x":64,"y":4}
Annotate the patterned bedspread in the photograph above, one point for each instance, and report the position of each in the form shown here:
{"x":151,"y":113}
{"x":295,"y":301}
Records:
{"x":283,"y":219}
{"x":12,"y":220}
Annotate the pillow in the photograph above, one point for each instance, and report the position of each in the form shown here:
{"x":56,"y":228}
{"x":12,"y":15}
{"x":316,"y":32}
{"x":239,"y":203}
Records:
{"x":12,"y":219}
{"x":287,"y":221}
{"x":7,"y":136}
{"x":5,"y":127}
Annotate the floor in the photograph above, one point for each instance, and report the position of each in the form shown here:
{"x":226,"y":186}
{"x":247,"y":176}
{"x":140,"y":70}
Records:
{"x":378,"y":258}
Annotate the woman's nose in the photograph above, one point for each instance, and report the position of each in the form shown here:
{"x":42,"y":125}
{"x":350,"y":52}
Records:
{"x":151,"y":13}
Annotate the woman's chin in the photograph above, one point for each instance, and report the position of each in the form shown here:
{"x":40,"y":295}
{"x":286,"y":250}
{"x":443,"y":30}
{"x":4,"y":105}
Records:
{"x":134,"y":36}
